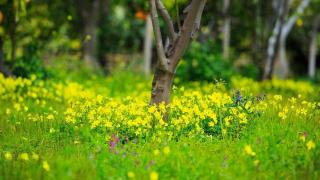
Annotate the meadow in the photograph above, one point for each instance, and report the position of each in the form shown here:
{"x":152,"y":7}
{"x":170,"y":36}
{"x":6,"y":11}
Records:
{"x":104,"y":128}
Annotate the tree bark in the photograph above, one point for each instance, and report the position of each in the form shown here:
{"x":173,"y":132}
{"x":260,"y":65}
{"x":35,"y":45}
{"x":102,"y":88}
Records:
{"x":226,"y":29}
{"x":284,"y":66}
{"x":12,"y":31}
{"x":148,"y":47}
{"x":89,"y":13}
{"x":313,"y":49}
{"x":284,"y":28}
{"x":102,"y":38}
{"x":3,"y":69}
{"x":274,"y":40}
{"x":169,"y":60}
{"x":161,"y":87}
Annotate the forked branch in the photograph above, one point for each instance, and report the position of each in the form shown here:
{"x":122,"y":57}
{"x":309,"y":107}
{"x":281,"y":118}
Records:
{"x":198,"y":18}
{"x":157,"y":32}
{"x":167,"y":19}
{"x":190,"y":27}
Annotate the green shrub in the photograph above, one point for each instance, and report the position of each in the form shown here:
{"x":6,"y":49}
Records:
{"x":204,"y":62}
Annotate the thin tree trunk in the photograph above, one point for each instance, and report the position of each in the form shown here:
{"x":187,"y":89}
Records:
{"x":284,"y":66}
{"x":2,"y":64}
{"x":226,"y":29}
{"x":282,"y":30}
{"x":274,"y":40}
{"x":148,"y":47}
{"x":313,"y":49}
{"x":89,"y":12}
{"x":102,"y":39}
{"x":12,"y":32}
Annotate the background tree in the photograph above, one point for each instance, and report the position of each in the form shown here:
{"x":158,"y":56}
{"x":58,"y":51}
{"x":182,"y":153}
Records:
{"x":277,"y":42}
{"x":226,"y":29}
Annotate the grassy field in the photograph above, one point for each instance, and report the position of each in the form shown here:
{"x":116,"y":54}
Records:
{"x":103,"y":128}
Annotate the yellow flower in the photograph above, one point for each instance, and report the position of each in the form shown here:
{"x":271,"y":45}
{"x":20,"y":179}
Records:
{"x":302,"y":137}
{"x":17,"y":107}
{"x":277,"y":97}
{"x":248,"y":150}
{"x":310,"y":145}
{"x":299,"y":22}
{"x":50,"y":117}
{"x":8,"y":156}
{"x":282,"y":115}
{"x":166,"y":150}
{"x":45,"y":166}
{"x":211,"y":124}
{"x":52,"y":130}
{"x":224,"y":132}
{"x":35,"y":156}
{"x":24,"y":156}
{"x":154,"y":175}
{"x":131,"y":174}
{"x":156,"y":152}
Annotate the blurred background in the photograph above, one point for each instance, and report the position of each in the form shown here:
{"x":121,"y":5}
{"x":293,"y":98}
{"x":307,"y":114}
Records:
{"x":61,"y":38}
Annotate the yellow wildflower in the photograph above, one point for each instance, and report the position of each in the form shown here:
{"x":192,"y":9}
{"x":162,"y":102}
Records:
{"x":299,"y":22}
{"x":52,"y":130}
{"x":154,"y":175}
{"x":50,"y":117}
{"x":156,"y":152}
{"x":45,"y":166}
{"x":310,"y":145}
{"x":248,"y":150}
{"x":166,"y":150}
{"x":277,"y":97}
{"x":24,"y":156}
{"x":224,"y":132}
{"x":35,"y":156}
{"x":211,"y":124}
{"x":8,"y":156}
{"x":131,"y":174}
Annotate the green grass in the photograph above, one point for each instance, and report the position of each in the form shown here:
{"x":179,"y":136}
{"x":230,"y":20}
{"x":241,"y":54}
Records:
{"x":280,"y":154}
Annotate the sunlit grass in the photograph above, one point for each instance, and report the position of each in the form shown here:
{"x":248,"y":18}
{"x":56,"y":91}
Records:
{"x":279,"y":139}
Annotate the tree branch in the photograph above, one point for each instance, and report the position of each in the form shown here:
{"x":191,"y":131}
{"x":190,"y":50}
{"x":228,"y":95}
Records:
{"x":190,"y":26}
{"x":167,"y":19}
{"x":288,"y":26}
{"x":198,"y":19}
{"x":178,"y":15}
{"x":157,"y":32}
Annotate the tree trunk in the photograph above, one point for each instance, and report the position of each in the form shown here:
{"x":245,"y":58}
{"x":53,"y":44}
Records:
{"x":285,"y":28}
{"x":89,"y":13}
{"x":12,"y":32}
{"x":161,"y":87}
{"x":102,"y":37}
{"x":313,"y":49}
{"x":274,"y":40}
{"x":283,"y":63}
{"x":148,"y":47}
{"x":168,"y":60}
{"x":2,"y":64}
{"x":312,"y":57}
{"x":226,"y":29}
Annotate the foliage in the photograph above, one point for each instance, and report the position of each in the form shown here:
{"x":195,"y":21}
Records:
{"x":53,"y":129}
{"x":204,"y":62}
